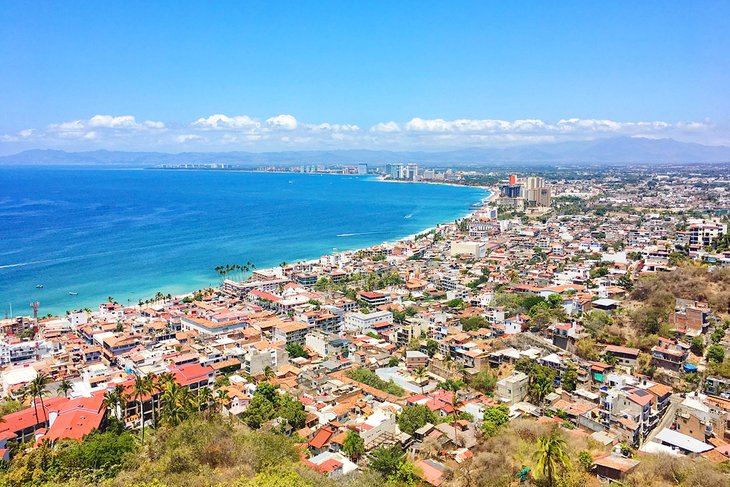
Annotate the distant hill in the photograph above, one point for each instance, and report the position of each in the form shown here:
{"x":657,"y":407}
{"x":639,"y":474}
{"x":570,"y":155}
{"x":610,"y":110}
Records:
{"x":612,"y":150}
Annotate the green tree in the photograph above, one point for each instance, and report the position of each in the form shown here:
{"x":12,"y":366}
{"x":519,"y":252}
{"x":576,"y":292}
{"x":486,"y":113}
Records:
{"x":473,"y":323}
{"x":494,"y":418}
{"x":715,"y":353}
{"x":585,"y":459}
{"x":555,"y":301}
{"x":277,"y":477}
{"x":258,"y":411}
{"x":415,"y":417}
{"x":420,"y":375}
{"x":569,"y":379}
{"x":292,"y":410}
{"x":625,"y":282}
{"x":140,"y":389}
{"x":296,"y":350}
{"x":541,"y":387}
{"x":386,"y":460}
{"x":499,"y":415}
{"x":116,"y":400}
{"x":432,"y":347}
{"x":405,"y":473}
{"x":456,"y":303}
{"x":551,"y":455}
{"x":697,"y":346}
{"x":64,"y":387}
{"x":484,"y":381}
{"x":9,"y":406}
{"x":586,"y":348}
{"x":38,"y":388}
{"x":354,"y":445}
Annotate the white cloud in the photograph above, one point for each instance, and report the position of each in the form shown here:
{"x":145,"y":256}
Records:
{"x":188,"y":138}
{"x":224,"y":132}
{"x":68,"y":126}
{"x":110,"y":121}
{"x":220,"y":121}
{"x":387,"y":127}
{"x":120,"y":122}
{"x":285,"y":122}
{"x":334,"y":127}
{"x":154,"y":125}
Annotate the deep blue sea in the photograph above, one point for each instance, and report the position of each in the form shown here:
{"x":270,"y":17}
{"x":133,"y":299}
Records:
{"x":129,"y":233}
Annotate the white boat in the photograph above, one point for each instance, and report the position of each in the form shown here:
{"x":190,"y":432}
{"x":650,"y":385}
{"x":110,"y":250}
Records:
{"x":39,"y":286}
{"x":73,"y":293}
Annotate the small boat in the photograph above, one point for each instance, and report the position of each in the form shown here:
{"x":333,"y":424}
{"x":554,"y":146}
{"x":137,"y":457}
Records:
{"x":39,"y":286}
{"x":73,"y":293}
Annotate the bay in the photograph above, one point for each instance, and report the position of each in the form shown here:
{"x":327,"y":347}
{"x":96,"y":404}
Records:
{"x":129,"y":233}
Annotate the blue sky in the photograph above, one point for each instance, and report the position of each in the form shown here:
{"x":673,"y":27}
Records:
{"x":296,"y":75}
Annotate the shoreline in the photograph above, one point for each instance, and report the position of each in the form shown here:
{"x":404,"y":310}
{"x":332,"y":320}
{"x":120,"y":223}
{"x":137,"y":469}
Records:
{"x":484,"y":194}
{"x":493,"y":195}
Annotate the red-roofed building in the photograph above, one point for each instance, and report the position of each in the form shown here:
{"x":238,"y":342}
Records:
{"x":193,"y":376}
{"x":63,"y":418}
{"x":77,"y":418}
{"x":321,"y":439}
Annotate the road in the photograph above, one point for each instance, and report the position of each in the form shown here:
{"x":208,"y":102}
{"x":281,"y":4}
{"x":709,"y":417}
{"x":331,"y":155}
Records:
{"x":667,"y":419}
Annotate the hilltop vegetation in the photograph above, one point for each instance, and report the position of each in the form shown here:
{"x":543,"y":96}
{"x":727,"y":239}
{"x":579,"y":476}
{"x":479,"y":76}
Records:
{"x":215,"y":451}
{"x":199,"y":451}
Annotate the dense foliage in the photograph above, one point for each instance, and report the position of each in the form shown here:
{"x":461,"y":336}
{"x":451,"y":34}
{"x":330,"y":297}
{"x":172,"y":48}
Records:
{"x":415,"y":417}
{"x":100,"y":456}
{"x":370,"y":378}
{"x":267,"y":404}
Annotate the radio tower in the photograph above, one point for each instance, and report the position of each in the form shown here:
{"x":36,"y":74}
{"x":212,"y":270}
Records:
{"x":35,"y":305}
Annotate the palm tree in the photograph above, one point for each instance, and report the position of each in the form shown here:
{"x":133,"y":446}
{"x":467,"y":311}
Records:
{"x":541,"y":389}
{"x":22,"y":394}
{"x":186,"y":399}
{"x":152,"y":389}
{"x":176,"y":404}
{"x":551,"y":455}
{"x":64,"y":387}
{"x":268,"y":373}
{"x":165,"y":378}
{"x":419,"y":374}
{"x":454,"y":386}
{"x":122,"y":398}
{"x":38,"y":388}
{"x":139,"y":390}
{"x":110,"y":402}
{"x":205,"y":396}
{"x":116,"y":400}
{"x":222,"y":398}
{"x":32,"y":392}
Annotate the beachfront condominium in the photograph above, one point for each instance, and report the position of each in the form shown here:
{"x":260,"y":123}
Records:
{"x":394,"y":171}
{"x":536,"y":193}
{"x":532,"y":190}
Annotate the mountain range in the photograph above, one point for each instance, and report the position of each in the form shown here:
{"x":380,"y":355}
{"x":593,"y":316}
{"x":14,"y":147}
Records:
{"x":614,"y":150}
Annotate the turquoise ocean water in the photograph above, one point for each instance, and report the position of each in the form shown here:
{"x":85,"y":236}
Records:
{"x":130,"y":233}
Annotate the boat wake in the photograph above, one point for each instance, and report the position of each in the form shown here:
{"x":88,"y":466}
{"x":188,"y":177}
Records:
{"x":23,"y":264}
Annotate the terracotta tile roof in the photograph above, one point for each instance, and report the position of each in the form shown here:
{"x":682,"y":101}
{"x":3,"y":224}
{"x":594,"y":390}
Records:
{"x":321,"y":438}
